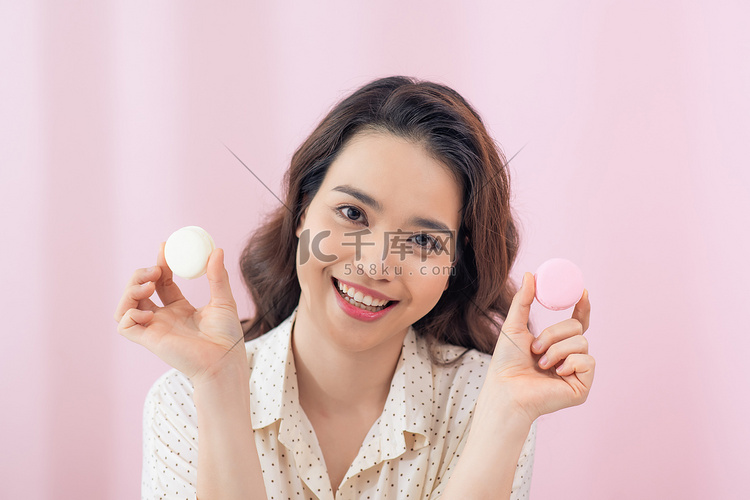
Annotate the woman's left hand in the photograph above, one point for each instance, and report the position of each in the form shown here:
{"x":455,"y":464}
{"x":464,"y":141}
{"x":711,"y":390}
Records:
{"x":543,"y":375}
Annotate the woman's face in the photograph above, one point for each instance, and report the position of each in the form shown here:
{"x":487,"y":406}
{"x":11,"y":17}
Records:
{"x":383,"y":223}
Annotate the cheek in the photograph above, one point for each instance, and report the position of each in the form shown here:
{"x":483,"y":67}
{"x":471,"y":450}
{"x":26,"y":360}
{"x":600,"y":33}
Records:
{"x":430,"y":279}
{"x":331,"y":246}
{"x":319,"y":245}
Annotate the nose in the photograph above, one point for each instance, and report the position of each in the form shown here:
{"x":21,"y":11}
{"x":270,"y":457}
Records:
{"x":376,"y":257}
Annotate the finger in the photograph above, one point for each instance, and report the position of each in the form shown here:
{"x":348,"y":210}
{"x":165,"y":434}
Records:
{"x":133,"y":322}
{"x":136,"y":296}
{"x":518,"y":315}
{"x":166,"y":287}
{"x":582,"y":367}
{"x":218,"y":280}
{"x":563,"y":349}
{"x":144,"y":275}
{"x":582,"y":311}
{"x":555,"y":333}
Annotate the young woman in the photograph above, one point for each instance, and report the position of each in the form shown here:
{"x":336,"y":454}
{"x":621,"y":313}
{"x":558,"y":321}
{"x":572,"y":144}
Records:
{"x":390,"y":354}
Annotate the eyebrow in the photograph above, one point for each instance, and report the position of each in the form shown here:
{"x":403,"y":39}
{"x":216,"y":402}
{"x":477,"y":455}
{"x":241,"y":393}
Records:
{"x":361,"y":196}
{"x":365,"y":198}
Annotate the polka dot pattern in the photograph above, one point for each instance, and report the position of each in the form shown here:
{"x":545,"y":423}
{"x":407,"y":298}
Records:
{"x":170,"y":439}
{"x":409,"y":453}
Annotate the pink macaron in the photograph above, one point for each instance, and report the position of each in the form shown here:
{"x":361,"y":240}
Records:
{"x":559,"y":284}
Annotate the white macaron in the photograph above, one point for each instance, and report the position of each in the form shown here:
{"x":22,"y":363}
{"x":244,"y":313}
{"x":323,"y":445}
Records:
{"x":187,"y":252}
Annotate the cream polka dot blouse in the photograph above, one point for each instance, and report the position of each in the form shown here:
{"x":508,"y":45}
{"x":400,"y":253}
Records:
{"x":408,"y":454}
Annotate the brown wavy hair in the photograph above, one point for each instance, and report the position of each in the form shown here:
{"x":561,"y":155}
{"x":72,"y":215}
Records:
{"x":479,"y":294}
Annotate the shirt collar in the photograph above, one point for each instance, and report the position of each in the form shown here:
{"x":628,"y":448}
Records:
{"x":274,"y":394}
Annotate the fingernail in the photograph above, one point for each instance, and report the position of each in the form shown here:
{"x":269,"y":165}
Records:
{"x":523,"y":280}
{"x":543,"y":361}
{"x":559,"y":369}
{"x":148,"y":270}
{"x":536,"y":345}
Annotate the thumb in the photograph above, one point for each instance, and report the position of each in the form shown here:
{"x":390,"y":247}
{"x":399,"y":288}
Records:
{"x":517,"y":320}
{"x":218,"y":280}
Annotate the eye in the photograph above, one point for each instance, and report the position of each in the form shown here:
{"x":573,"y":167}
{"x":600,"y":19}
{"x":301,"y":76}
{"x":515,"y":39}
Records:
{"x":426,"y":241}
{"x":352,"y":214}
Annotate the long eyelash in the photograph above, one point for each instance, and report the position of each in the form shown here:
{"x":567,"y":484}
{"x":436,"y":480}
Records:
{"x":435,"y":245}
{"x":339,"y":208}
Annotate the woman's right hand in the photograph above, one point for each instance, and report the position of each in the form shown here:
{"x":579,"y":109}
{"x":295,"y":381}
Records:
{"x":197,"y":342}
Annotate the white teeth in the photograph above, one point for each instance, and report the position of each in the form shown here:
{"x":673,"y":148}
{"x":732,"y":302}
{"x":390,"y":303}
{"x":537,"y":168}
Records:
{"x":359,"y":299}
{"x":362,"y":306}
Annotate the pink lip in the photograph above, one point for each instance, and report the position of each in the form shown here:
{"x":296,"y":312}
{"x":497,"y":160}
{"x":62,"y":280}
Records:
{"x":357,"y":313}
{"x":367,"y":291}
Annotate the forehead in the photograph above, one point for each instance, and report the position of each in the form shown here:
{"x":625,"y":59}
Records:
{"x":399,"y":173}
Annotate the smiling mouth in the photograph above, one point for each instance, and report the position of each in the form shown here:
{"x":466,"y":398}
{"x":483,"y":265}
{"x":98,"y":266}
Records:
{"x":351,"y":295}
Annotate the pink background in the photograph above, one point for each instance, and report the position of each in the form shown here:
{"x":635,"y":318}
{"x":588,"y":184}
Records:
{"x":634,"y":117}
